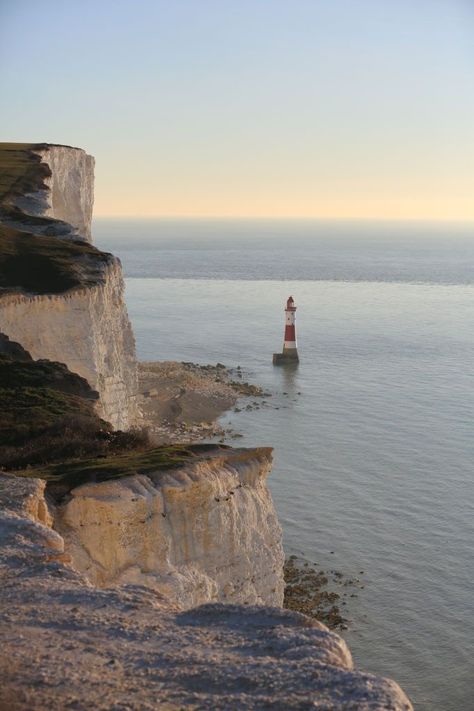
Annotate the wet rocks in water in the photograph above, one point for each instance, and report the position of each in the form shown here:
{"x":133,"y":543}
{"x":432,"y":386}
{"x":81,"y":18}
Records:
{"x":308,"y":590}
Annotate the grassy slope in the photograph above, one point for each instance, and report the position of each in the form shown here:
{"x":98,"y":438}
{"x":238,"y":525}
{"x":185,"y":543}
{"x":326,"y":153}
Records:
{"x":33,"y":263}
{"x":44,"y":410}
{"x":49,"y":429}
{"x":47,"y":418}
{"x":46,"y":265}
{"x":21,"y":170}
{"x":149,"y":461}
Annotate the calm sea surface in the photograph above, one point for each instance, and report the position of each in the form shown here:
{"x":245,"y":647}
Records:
{"x":373,"y":435}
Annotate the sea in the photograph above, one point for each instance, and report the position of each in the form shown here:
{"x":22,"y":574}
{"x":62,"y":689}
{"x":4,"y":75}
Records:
{"x":372,"y":431}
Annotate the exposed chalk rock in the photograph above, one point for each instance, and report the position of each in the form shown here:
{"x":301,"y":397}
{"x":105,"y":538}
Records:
{"x":66,"y":644}
{"x":67,"y":194}
{"x":206,"y":531}
{"x":26,"y":522}
{"x":86,"y":325}
{"x":88,"y":330}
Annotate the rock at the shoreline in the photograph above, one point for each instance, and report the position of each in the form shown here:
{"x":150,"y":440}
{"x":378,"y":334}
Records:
{"x":308,"y":590}
{"x":183,"y":400}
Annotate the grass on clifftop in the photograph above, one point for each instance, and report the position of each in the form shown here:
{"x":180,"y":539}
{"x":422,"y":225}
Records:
{"x":124,"y":464}
{"x":49,"y":428}
{"x":47,"y":265}
{"x":45,"y":411}
{"x":21,"y":170}
{"x":38,"y":263}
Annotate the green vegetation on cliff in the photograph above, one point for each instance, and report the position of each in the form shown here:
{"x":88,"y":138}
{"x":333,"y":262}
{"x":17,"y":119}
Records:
{"x":114,"y":466}
{"x":21,"y":170}
{"x":49,"y":428}
{"x":46,"y":411}
{"x":36,"y":255}
{"x":47,"y":265}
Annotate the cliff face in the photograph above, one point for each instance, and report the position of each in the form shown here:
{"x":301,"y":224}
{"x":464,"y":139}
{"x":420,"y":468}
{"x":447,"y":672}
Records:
{"x":206,"y":531}
{"x":69,"y":192}
{"x":48,"y":181}
{"x":82,"y":321}
{"x":67,"y":644}
{"x":87,"y":329}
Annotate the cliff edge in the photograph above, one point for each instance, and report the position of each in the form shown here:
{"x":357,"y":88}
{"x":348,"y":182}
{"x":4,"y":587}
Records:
{"x":202,"y":530}
{"x":61,"y":298}
{"x":67,"y":644}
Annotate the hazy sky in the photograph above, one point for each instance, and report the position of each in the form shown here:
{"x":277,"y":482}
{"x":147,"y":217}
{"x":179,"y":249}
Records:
{"x":324,"y":108}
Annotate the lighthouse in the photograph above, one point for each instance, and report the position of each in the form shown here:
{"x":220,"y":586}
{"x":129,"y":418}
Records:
{"x":290,"y":350}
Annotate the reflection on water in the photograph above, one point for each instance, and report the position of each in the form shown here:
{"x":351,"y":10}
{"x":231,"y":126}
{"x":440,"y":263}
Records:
{"x":289,"y":371}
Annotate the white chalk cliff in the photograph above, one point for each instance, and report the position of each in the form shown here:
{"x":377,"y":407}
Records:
{"x":86,"y":327}
{"x":99,"y":581}
{"x":207,"y":531}
{"x":67,"y":644}
{"x":67,"y":193}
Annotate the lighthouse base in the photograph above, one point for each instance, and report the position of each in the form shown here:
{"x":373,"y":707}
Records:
{"x":289,"y":355}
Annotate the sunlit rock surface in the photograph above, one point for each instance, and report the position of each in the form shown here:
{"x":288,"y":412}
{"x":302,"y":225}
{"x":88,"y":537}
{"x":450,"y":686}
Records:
{"x":66,"y":644}
{"x":205,"y":531}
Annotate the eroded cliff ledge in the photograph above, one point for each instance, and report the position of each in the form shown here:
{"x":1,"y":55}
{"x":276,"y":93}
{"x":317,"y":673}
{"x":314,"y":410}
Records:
{"x":67,"y":644}
{"x":205,"y":530}
{"x":194,"y":522}
{"x":48,"y":188}
{"x":60,"y":297}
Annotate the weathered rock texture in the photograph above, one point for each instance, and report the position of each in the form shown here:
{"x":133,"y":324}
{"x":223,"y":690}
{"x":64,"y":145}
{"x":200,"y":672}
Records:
{"x":83,"y":321}
{"x":206,"y":531}
{"x":69,"y":193}
{"x":87,"y":329}
{"x":49,"y":181}
{"x":66,"y":644}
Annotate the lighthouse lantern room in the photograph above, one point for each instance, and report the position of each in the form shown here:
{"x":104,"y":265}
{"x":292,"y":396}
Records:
{"x":290,"y":350}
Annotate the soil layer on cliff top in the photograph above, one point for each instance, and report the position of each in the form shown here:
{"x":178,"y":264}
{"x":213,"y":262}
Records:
{"x":37,"y":264}
{"x":21,"y":169}
{"x":147,"y":461}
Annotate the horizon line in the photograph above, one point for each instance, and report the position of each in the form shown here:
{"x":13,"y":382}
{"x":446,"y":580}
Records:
{"x":432,"y":220}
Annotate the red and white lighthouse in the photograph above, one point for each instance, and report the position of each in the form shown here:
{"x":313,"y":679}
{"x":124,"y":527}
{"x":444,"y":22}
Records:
{"x":290,"y":349}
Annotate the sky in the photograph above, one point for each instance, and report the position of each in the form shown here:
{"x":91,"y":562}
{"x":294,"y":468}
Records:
{"x":346,"y":109}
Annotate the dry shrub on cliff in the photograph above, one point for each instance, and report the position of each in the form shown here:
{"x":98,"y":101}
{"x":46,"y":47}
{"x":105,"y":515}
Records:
{"x":46,"y":265}
{"x":70,"y":438}
{"x":22,"y":171}
{"x":47,"y":414}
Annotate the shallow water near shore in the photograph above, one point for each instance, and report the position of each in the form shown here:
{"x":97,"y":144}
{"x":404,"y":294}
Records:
{"x":372,"y":434}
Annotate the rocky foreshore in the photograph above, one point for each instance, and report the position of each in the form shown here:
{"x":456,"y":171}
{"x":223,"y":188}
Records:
{"x":320,"y":594}
{"x":184,"y":400}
